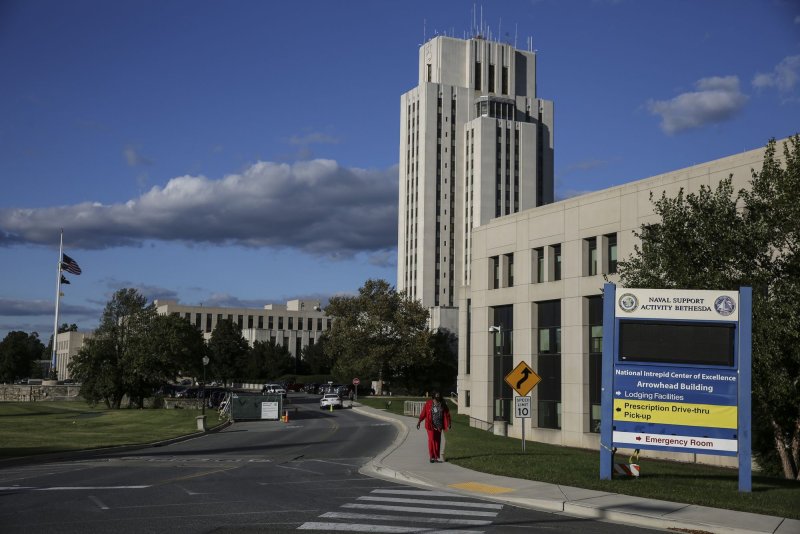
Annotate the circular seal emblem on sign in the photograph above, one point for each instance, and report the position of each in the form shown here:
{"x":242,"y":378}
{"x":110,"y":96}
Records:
{"x":724,"y":305}
{"x":628,"y":302}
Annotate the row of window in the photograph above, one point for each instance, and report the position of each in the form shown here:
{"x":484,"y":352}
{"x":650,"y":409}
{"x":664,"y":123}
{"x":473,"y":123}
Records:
{"x":546,"y":263}
{"x":255,"y":321}
{"x":547,"y":360}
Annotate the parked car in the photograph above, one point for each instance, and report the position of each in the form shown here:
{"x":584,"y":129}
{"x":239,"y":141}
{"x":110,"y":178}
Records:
{"x":273,"y":389}
{"x":330,"y":399}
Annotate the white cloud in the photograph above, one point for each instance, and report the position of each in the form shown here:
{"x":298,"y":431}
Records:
{"x":716,"y":99}
{"x":134,"y":158}
{"x":315,"y":206}
{"x":784,"y":76}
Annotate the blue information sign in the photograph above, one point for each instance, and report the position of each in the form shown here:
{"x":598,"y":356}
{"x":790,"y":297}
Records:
{"x":676,"y":373}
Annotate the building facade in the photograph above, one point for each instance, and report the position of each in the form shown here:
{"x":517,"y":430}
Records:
{"x":67,"y":346}
{"x":295,"y":325}
{"x":475,"y":144}
{"x":537,"y":279}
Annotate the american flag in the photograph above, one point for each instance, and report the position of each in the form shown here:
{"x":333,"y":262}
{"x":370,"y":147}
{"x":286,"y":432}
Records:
{"x":70,"y":265}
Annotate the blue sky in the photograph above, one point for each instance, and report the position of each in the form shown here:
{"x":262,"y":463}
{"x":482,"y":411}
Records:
{"x":241,"y":153}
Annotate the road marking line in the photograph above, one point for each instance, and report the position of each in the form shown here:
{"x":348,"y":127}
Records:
{"x":434,"y":501}
{"x":419,"y":509}
{"x":335,"y":463}
{"x":70,"y":488}
{"x":414,"y":519}
{"x":98,"y":502}
{"x":415,"y":492}
{"x":299,"y":469}
{"x":481,"y":488}
{"x":358,"y":527}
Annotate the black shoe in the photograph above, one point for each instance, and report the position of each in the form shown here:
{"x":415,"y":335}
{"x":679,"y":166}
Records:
{"x":433,"y":461}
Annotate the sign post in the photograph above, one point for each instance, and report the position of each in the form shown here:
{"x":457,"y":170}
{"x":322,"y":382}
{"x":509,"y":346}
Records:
{"x":356,"y":382}
{"x":676,"y":373}
{"x":522,"y":379}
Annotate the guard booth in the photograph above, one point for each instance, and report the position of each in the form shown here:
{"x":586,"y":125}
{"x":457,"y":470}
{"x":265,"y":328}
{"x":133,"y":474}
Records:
{"x":245,"y":407}
{"x":677,"y":373}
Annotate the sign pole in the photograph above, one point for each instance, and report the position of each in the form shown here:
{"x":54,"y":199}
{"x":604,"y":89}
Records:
{"x":745,"y":388}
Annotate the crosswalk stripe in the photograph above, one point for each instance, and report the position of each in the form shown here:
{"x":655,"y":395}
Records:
{"x":414,"y":492}
{"x":419,"y":509}
{"x":357,"y":527}
{"x":433,"y":501}
{"x":413,"y":519}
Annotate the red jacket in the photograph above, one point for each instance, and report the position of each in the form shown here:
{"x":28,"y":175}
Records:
{"x":427,"y":415}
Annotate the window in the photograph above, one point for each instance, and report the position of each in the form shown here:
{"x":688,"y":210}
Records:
{"x":591,"y":256}
{"x":249,"y":321}
{"x":494,"y":263}
{"x":549,"y":363}
{"x":270,"y":326}
{"x":319,"y":323}
{"x":504,"y":83}
{"x":595,"y":305}
{"x":502,"y":336}
{"x":491,"y":78}
{"x":611,"y":252}
{"x":198,"y":322}
{"x":510,"y":267}
{"x":466,"y":398}
{"x":260,"y":322}
{"x":310,"y":324}
{"x":469,"y":332}
{"x":477,"y":76}
{"x":556,"y":262}
{"x":280,"y":323}
{"x":208,"y":322}
{"x":538,"y":265}
{"x":429,"y":72}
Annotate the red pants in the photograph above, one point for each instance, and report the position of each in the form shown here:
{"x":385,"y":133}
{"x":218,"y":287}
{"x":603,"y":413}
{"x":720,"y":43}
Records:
{"x":434,"y":441}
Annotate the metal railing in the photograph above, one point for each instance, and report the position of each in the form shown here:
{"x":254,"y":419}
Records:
{"x":413,"y":408}
{"x":483,"y":425}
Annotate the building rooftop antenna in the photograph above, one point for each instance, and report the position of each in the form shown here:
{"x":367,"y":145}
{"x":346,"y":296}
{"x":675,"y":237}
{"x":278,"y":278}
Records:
{"x":515,"y":36}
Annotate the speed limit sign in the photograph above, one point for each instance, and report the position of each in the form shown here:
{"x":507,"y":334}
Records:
{"x":522,"y":407}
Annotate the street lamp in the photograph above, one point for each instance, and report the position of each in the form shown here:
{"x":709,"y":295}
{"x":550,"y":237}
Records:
{"x":203,"y":389}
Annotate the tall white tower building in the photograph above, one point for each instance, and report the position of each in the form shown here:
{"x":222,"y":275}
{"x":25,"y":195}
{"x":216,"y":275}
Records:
{"x":475,"y":144}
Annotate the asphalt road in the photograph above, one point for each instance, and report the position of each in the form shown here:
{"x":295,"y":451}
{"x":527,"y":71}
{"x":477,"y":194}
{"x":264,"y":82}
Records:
{"x":261,"y":476}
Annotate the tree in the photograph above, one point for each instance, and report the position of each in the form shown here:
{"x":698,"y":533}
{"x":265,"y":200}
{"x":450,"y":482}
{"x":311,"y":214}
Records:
{"x":107,"y":364}
{"x":706,"y":241}
{"x":18,"y":354}
{"x":437,"y":374}
{"x":377,"y":332}
{"x":170,"y":345}
{"x":268,"y":360}
{"x":315,"y":359}
{"x":227,"y":350}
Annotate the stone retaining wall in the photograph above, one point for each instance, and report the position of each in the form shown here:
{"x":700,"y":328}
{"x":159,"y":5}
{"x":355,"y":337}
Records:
{"x":25,"y":393}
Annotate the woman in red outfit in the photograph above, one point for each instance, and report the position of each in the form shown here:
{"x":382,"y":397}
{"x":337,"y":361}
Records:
{"x":437,"y":419}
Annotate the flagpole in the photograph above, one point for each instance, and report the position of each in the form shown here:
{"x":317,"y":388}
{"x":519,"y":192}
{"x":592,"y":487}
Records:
{"x":53,"y":369}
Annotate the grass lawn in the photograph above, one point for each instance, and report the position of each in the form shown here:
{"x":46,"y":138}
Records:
{"x":45,"y":427}
{"x":670,"y":481}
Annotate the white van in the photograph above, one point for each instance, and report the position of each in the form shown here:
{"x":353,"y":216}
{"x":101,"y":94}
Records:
{"x":273,"y":389}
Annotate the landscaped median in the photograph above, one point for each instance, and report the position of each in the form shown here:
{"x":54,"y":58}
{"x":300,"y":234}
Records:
{"x":29,"y":428}
{"x":669,"y":481}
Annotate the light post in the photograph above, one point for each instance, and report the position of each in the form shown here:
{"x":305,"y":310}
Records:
{"x":203,"y":389}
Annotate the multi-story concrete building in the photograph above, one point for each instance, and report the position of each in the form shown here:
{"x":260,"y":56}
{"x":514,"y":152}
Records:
{"x":475,"y":143}
{"x":537,"y":279}
{"x":295,"y":325}
{"x":67,"y":346}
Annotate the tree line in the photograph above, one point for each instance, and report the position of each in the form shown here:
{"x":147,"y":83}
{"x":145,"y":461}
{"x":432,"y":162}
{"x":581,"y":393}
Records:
{"x":377,"y":334}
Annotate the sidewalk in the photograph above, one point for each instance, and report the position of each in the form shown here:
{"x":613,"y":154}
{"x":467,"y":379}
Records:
{"x":406,"y":461}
